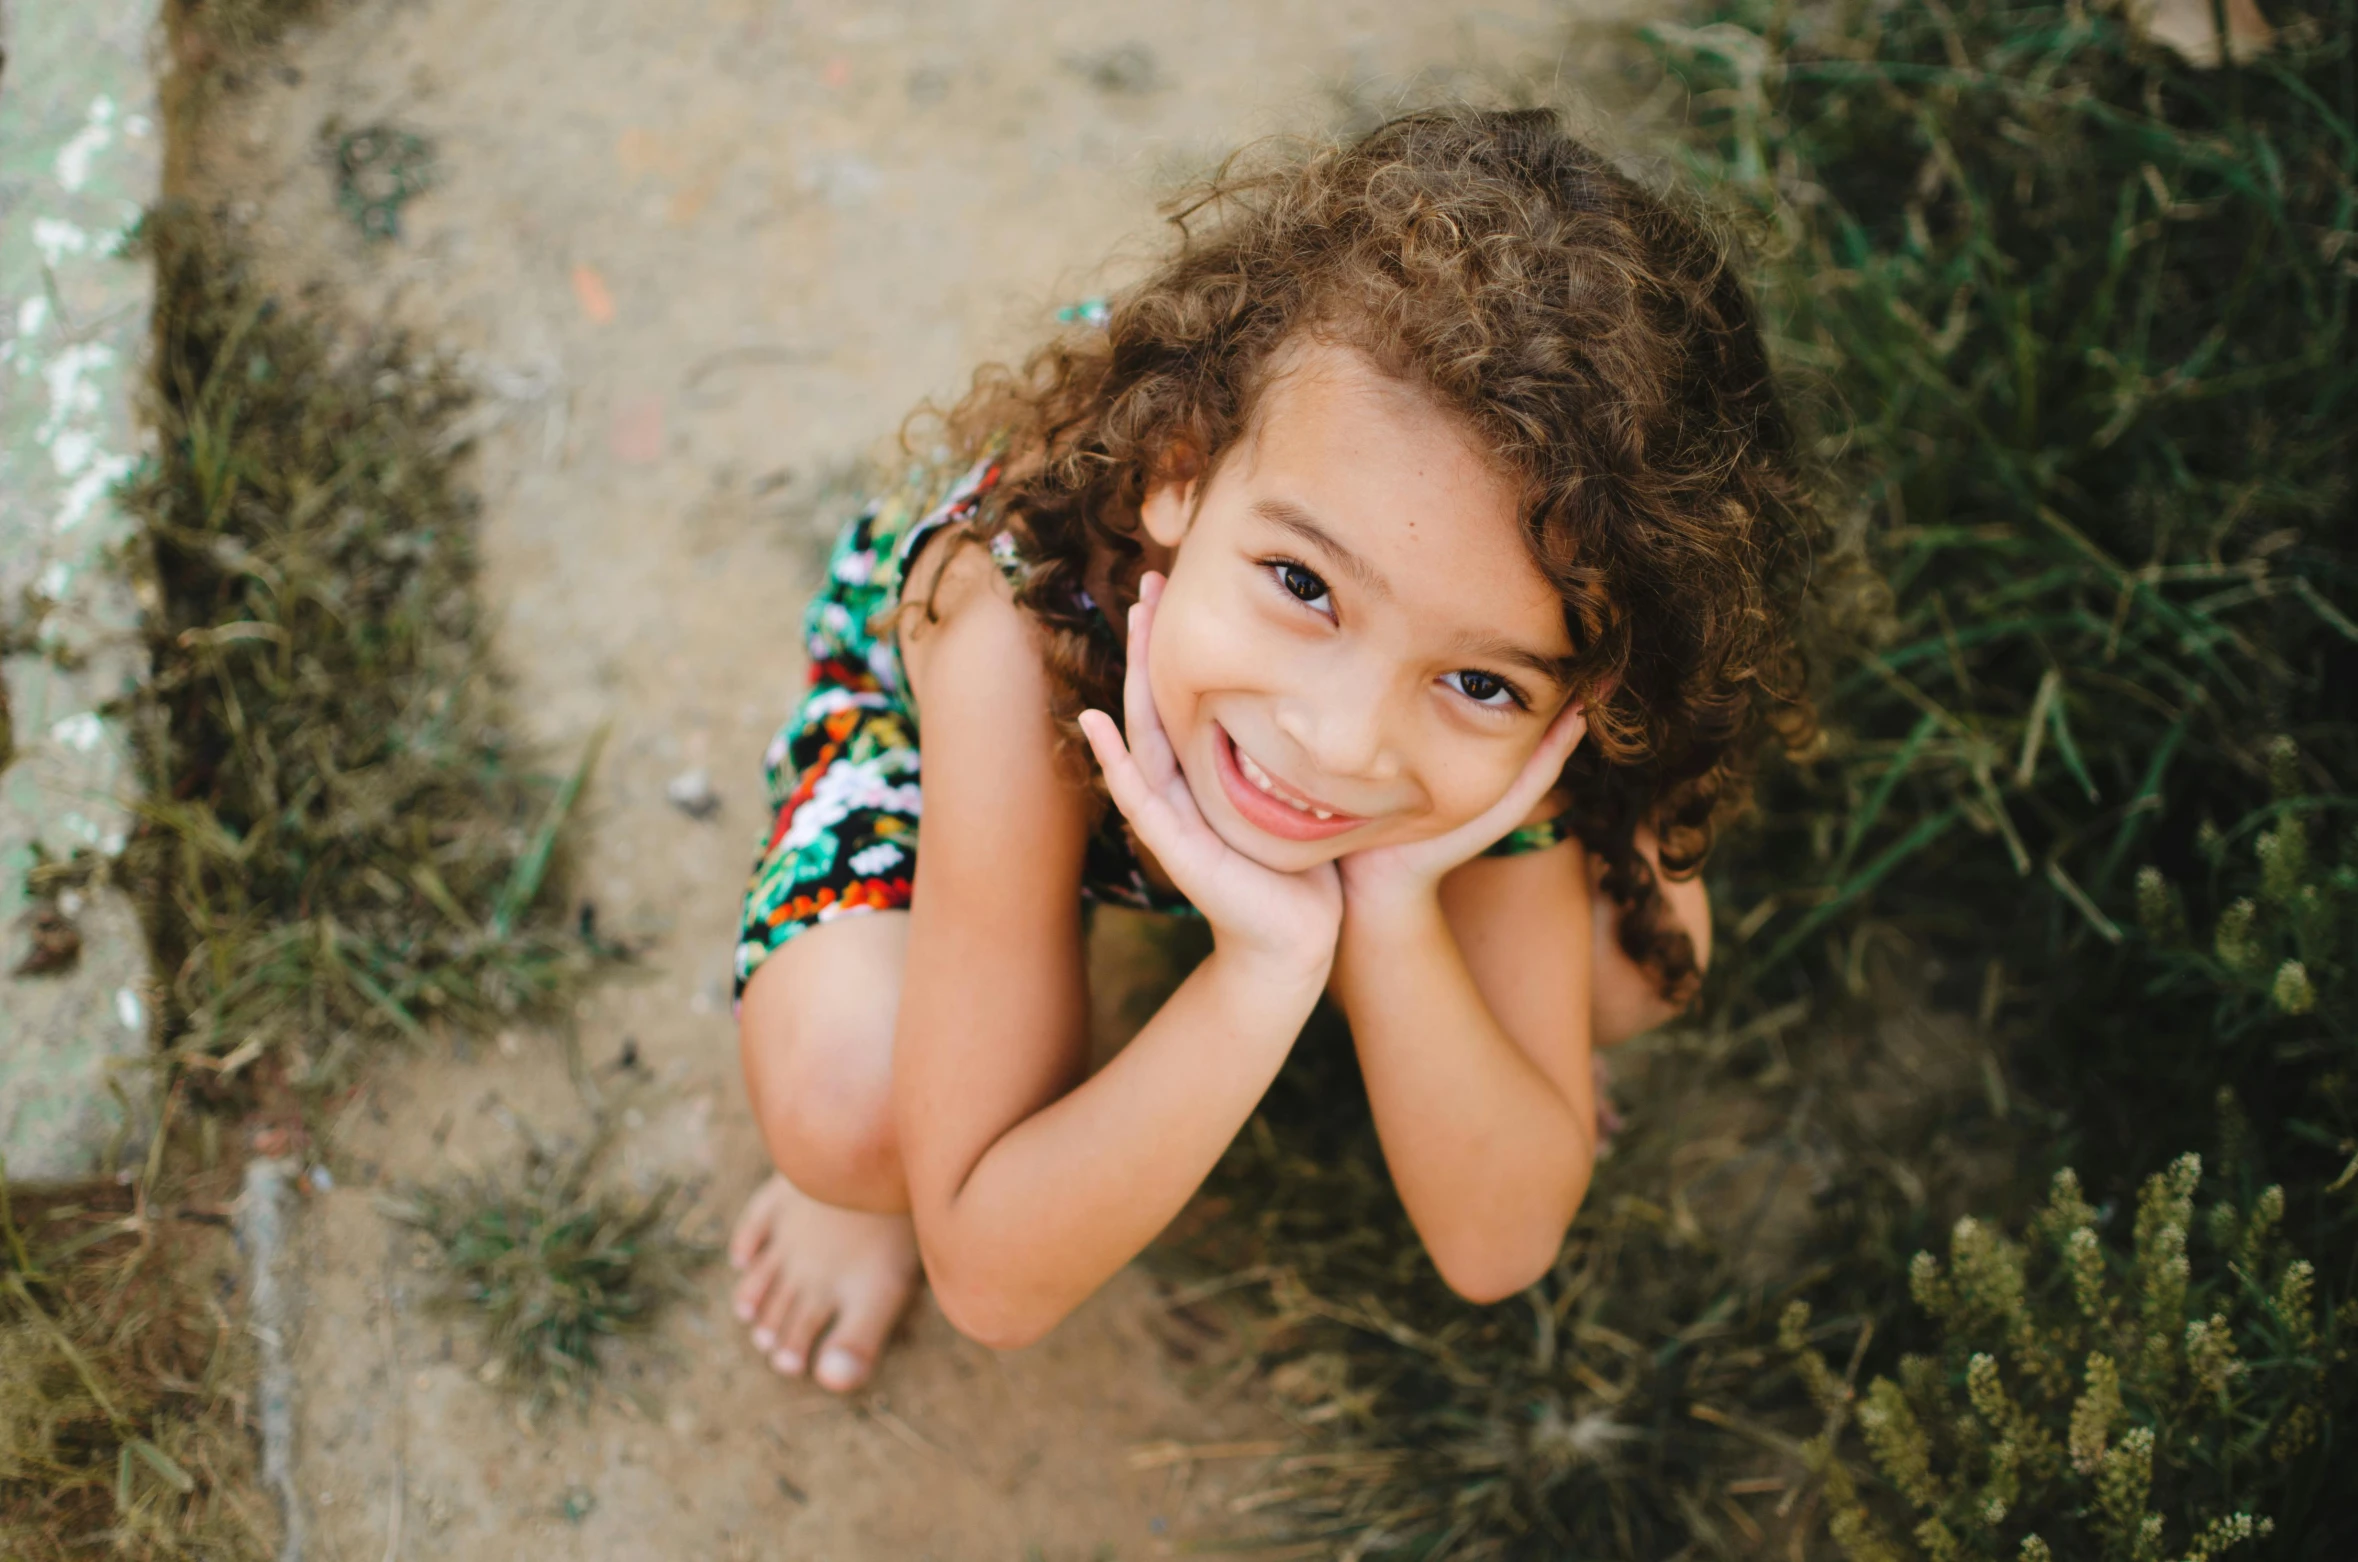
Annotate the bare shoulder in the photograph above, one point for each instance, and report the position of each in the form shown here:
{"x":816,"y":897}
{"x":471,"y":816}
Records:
{"x":952,"y":582}
{"x":968,"y":650}
{"x":983,"y":705}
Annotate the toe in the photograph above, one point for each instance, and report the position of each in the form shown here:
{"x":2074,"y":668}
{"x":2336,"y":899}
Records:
{"x":802,"y":1326}
{"x":753,"y":1288}
{"x":849,"y":1352}
{"x":751,"y":1235}
{"x":777,"y":1307}
{"x":841,"y":1368}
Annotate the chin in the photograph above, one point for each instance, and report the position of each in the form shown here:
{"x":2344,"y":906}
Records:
{"x":1282,"y":856}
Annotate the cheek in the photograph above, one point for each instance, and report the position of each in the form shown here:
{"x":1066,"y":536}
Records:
{"x":1202,"y":646}
{"x":1472,"y":778}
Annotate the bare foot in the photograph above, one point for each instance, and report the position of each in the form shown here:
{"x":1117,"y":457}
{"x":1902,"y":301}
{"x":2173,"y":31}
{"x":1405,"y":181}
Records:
{"x":821,"y":1286}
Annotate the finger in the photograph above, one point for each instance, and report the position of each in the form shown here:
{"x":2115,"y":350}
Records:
{"x":1105,"y":741}
{"x":1546,"y":764}
{"x":1154,"y":818}
{"x":1148,"y":742}
{"x":1124,"y":782}
{"x":1564,"y":735}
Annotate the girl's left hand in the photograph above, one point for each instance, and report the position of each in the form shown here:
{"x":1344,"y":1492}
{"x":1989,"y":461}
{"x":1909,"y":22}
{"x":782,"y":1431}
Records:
{"x":1389,"y":875}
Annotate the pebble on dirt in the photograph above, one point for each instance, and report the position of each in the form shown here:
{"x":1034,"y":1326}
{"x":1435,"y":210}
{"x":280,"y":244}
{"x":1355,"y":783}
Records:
{"x":692,"y":794}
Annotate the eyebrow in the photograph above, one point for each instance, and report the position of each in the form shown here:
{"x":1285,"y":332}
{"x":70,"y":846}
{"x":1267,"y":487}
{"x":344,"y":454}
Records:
{"x":1555,"y":669}
{"x":1292,"y":517}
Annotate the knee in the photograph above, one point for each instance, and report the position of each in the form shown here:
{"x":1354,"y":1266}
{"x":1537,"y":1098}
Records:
{"x":821,"y":1090}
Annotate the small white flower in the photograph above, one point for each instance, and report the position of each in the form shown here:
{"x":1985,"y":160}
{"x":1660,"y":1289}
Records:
{"x":847,"y":785}
{"x":824,"y":703}
{"x":872,"y":860}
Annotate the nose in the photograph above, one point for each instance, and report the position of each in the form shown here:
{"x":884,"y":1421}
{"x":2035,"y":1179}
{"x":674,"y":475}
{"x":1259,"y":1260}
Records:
{"x":1340,"y":721}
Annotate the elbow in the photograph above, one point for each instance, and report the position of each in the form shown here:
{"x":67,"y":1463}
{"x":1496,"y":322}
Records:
{"x":1489,"y":1266}
{"x":1498,"y":1272}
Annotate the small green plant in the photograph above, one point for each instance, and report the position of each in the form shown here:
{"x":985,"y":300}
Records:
{"x":2282,"y":959}
{"x":379,"y":169}
{"x":551,"y":1266}
{"x":2170,"y":1401}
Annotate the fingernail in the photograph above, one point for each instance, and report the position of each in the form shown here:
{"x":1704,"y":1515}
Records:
{"x":763,"y":1339}
{"x":744,"y":1311}
{"x":787,"y":1362}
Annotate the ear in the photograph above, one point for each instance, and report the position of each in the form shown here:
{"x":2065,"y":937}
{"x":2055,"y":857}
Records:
{"x":1169,"y":505}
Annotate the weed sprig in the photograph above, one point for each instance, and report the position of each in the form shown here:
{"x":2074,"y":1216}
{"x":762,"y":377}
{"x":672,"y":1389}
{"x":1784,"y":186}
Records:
{"x":551,"y":1264}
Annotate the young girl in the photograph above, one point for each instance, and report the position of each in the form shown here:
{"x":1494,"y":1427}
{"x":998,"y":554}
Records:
{"x":1412,"y":554}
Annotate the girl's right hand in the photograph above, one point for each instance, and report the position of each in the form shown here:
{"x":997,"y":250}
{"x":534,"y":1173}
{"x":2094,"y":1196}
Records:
{"x":1292,"y":919}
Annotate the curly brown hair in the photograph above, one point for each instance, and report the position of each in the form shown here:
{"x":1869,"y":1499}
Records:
{"x":1598,"y":342}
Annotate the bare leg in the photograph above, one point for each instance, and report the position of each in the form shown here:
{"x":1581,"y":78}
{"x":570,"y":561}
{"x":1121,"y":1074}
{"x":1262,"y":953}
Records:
{"x":826,"y":1255}
{"x":1623,"y":1001}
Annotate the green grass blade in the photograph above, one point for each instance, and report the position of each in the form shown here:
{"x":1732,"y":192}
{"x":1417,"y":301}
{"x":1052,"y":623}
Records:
{"x":524,"y":882}
{"x":2060,"y":725}
{"x":157,"y":1460}
{"x":1875,"y":872}
{"x":1872,"y":809}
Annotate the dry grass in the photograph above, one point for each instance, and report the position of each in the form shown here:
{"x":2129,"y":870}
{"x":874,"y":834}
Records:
{"x":344,"y":847}
{"x":122,"y":1383}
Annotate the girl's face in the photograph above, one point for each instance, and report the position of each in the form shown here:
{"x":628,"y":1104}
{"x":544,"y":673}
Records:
{"x":1355,"y":648}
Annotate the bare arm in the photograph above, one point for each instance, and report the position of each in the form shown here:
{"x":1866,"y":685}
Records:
{"x":1475,"y":1005}
{"x":1030,"y":1187}
{"x":1470,"y":1006}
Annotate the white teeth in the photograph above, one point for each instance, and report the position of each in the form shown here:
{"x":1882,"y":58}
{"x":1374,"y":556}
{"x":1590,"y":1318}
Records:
{"x":1262,"y":782}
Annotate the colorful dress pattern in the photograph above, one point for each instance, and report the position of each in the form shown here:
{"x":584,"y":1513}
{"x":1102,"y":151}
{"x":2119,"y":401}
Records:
{"x":842,"y":773}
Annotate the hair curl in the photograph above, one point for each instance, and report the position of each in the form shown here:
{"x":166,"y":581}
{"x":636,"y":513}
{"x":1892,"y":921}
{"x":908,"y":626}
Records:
{"x":1597,"y":341}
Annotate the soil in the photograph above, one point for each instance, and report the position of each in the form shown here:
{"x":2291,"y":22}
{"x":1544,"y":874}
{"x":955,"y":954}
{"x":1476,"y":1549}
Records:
{"x":702,"y":258}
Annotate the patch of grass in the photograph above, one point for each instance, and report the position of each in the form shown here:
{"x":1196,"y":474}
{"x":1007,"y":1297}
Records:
{"x":345,"y":848}
{"x":341,"y":849}
{"x":1634,"y":1402}
{"x":551,"y":1265}
{"x":2088,"y":315}
{"x":121,"y":1386}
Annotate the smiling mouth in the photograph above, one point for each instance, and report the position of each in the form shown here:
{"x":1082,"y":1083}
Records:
{"x":1271,"y":806}
{"x":1269,"y":784}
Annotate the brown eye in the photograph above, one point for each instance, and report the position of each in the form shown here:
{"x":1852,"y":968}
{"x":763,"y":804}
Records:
{"x":1302,"y":585}
{"x":1483,"y":688}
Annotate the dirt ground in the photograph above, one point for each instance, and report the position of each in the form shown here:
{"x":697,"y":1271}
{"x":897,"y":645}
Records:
{"x":701,"y":257}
